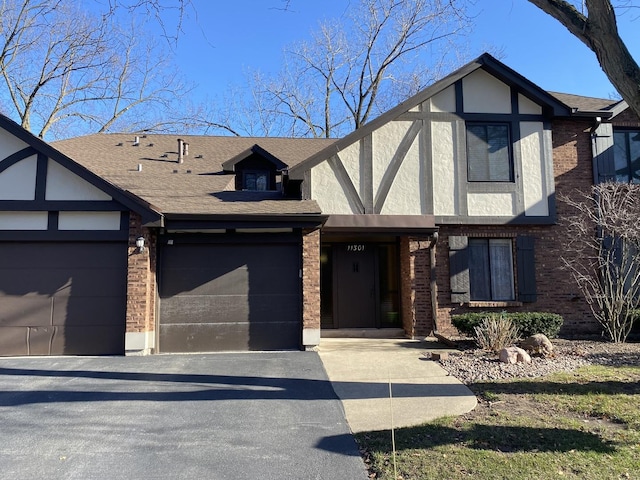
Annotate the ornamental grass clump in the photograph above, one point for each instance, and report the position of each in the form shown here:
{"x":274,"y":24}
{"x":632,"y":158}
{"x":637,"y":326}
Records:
{"x":496,"y":332}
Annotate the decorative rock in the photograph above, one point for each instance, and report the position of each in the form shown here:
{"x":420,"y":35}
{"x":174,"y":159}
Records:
{"x":514,"y":355}
{"x":440,"y":356}
{"x":538,"y":344}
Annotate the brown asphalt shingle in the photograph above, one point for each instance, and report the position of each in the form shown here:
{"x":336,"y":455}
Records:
{"x":585,"y":104}
{"x":196,"y":186}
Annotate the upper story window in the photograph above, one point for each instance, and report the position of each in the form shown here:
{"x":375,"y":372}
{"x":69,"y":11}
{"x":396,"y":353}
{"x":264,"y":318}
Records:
{"x":626,"y":155}
{"x":490,"y":269}
{"x":489,"y":156}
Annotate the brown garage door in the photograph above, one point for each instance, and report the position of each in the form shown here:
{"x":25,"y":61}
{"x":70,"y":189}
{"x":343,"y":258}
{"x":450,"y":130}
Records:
{"x":223,"y":297}
{"x":62,"y":298}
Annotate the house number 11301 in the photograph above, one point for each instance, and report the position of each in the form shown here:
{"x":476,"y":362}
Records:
{"x":355,"y":248}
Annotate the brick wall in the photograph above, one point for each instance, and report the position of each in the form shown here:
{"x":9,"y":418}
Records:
{"x":311,"y":279}
{"x":141,"y":279}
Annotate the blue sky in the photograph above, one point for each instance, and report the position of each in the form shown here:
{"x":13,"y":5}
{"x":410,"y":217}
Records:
{"x":225,"y":38}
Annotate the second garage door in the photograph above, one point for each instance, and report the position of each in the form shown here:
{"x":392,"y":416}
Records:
{"x":230,"y":296}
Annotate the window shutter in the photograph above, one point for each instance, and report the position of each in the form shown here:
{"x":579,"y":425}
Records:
{"x":604,"y":163}
{"x":525,"y":256}
{"x":459,"y":269}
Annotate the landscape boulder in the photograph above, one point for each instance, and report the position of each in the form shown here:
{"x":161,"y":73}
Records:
{"x":514,"y":355}
{"x":537,"y":344}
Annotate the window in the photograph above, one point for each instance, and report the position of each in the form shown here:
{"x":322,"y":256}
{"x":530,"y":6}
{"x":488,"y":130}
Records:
{"x":489,"y":153}
{"x":626,"y":155}
{"x":257,"y":181}
{"x":490,"y":269}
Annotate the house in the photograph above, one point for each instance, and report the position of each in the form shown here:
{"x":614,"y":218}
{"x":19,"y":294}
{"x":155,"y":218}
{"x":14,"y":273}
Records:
{"x":449,"y":202}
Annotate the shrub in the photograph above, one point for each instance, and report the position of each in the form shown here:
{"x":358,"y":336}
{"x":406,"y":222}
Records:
{"x":527,"y":323}
{"x":496,"y":332}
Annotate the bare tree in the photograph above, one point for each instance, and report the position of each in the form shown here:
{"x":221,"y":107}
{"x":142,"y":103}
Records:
{"x":356,"y":67}
{"x":603,"y":253}
{"x":66,"y":71}
{"x":595,"y":25}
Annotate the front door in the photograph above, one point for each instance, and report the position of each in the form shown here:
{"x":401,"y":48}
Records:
{"x":356,"y":282}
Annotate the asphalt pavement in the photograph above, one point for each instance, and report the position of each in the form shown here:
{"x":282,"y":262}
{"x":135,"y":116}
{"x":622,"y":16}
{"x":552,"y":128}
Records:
{"x":216,"y":416}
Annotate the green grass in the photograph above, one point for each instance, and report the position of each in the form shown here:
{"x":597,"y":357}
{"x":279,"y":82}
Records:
{"x":583,"y":424}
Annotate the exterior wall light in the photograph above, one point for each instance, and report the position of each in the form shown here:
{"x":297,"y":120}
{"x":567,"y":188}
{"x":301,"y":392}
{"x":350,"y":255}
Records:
{"x":140,"y":244}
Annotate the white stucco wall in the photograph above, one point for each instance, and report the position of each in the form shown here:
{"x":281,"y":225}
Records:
{"x":18,"y":182}
{"x":89,"y":221}
{"x":490,"y":204}
{"x":350,"y":158}
{"x":65,"y":185}
{"x":526,"y":106}
{"x":445,"y":101}
{"x":483,"y":93}
{"x":24,"y":220}
{"x":533,"y":169}
{"x":9,"y":144}
{"x":326,"y":190}
{"x":406,"y":192}
{"x":385,"y":144}
{"x":445,"y":190}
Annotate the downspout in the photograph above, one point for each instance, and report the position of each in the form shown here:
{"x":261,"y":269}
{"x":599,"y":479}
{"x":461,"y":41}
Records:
{"x":594,"y":149}
{"x":433,"y":282}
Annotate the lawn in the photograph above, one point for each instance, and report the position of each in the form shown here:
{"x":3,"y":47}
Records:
{"x":582,"y":424}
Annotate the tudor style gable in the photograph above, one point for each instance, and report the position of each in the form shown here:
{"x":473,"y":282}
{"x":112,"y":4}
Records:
{"x":64,"y":236}
{"x":473,"y":148}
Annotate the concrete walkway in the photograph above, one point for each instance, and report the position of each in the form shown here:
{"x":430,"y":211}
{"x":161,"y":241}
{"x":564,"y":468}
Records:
{"x":361,"y":370}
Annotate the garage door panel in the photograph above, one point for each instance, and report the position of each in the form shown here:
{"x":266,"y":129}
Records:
{"x":25,"y":311}
{"x":13,"y":341}
{"x":258,"y":280}
{"x":199,"y":281}
{"x":51,"y":255}
{"x":230,"y":308}
{"x":229,"y":337}
{"x":62,"y":282}
{"x":88,"y":340}
{"x":87,"y":311}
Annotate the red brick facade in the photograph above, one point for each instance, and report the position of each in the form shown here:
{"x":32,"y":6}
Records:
{"x":310,"y":285}
{"x":141,"y":279}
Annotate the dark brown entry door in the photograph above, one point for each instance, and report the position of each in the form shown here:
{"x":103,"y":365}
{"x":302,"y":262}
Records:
{"x":355,"y":266}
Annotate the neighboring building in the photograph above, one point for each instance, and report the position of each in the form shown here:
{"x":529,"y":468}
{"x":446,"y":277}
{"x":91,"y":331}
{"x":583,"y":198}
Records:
{"x":447,"y":203}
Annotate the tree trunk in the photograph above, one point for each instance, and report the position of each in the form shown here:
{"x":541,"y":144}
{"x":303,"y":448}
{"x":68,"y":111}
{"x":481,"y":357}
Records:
{"x":599,"y":31}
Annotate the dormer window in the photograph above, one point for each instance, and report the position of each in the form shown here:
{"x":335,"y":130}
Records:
{"x":255,"y":169}
{"x":256,"y":180}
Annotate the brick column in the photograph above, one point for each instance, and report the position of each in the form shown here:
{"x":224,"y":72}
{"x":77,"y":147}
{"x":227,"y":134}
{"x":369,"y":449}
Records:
{"x":310,"y":289}
{"x":141,"y":290}
{"x":406,"y":286}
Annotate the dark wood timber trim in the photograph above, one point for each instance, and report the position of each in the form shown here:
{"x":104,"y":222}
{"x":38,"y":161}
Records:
{"x":347,"y":185}
{"x":16,"y":157}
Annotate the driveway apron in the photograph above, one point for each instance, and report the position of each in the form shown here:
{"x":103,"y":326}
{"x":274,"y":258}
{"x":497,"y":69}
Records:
{"x":218,"y":416}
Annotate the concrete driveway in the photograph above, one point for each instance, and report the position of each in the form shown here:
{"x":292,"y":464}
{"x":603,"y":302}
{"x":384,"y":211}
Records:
{"x":219,"y":416}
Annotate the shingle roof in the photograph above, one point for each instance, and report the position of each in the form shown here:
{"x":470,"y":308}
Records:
{"x":196,"y":186}
{"x":585,"y":104}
